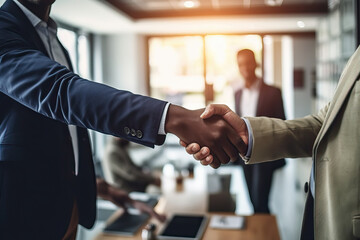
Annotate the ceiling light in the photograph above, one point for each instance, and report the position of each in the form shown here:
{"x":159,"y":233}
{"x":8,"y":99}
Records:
{"x":274,"y":2}
{"x":300,"y":24}
{"x":189,"y":4}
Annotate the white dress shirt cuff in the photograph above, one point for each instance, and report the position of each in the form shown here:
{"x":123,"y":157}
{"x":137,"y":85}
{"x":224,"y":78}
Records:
{"x":163,"y":119}
{"x":247,"y":156}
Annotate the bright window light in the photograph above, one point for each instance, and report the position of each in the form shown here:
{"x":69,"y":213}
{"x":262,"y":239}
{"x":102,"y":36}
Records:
{"x":300,"y":24}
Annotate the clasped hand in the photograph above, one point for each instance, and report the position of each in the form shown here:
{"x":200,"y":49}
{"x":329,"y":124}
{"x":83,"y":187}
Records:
{"x":235,"y":133}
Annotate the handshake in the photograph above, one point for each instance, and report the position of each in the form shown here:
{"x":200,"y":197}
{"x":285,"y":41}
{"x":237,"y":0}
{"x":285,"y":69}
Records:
{"x":214,"y":136}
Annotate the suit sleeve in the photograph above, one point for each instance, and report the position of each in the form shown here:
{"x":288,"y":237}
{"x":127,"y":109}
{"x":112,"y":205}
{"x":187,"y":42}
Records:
{"x":276,"y":138}
{"x":48,"y":88}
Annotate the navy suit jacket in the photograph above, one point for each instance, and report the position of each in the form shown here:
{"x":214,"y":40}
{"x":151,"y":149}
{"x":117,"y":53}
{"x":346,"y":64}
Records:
{"x":38,"y":99}
{"x":270,"y":104}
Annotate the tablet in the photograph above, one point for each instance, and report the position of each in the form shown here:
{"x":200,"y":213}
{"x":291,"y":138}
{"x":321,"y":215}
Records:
{"x":127,"y":224}
{"x":184,"y":227}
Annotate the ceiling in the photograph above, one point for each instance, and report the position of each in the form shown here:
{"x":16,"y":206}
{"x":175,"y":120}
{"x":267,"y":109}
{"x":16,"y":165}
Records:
{"x":141,"y":9}
{"x":100,"y":17}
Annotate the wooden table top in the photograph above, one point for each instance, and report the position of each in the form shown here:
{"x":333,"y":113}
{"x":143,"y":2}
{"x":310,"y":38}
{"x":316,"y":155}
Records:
{"x":191,"y":198}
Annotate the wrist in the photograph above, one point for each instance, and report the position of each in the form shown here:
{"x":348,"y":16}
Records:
{"x":247,"y":137}
{"x":172,"y":118}
{"x":102,"y":188}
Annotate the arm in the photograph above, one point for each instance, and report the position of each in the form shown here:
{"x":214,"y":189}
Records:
{"x":32,"y":79}
{"x":276,"y":138}
{"x":273,"y":138}
{"x":122,"y":199}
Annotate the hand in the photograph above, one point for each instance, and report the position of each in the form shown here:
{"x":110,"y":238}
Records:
{"x":203,"y":154}
{"x":213,"y":132}
{"x":121,"y":199}
{"x":157,"y":181}
{"x":231,"y":118}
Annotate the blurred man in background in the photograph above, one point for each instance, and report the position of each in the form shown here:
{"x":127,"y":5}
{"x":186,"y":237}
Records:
{"x":255,"y":98}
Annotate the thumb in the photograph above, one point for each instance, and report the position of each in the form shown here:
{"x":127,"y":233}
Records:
{"x":215,"y":109}
{"x":229,"y":116}
{"x":233,"y":119}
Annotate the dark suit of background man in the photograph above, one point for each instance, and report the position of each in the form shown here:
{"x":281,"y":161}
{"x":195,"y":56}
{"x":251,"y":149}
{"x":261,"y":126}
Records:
{"x":256,"y":98}
{"x":47,"y":180}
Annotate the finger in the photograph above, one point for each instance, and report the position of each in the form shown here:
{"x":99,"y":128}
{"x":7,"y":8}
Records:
{"x":208,"y":160}
{"x":238,"y":143}
{"x":147,"y":209}
{"x":182,"y":143}
{"x":125,"y":203}
{"x":221,"y":155}
{"x":202,"y":154}
{"x":230,"y":149}
{"x":122,"y":205}
{"x":215,"y":109}
{"x":120,"y":200}
{"x":237,"y":123}
{"x":192,"y":148}
{"x":215,"y":164}
{"x":203,"y":162}
{"x":160,"y":217}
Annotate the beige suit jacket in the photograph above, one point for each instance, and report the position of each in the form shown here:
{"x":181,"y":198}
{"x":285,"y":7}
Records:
{"x":332,"y":138}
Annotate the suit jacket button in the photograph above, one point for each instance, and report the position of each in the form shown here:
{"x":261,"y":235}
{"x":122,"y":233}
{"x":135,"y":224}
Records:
{"x":133,"y":132}
{"x":127,"y":130}
{"x":139,"y":134}
{"x":306,"y":187}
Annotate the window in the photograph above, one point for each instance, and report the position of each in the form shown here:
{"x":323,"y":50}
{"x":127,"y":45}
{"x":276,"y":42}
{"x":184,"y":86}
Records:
{"x":177,"y":70}
{"x":193,"y":71}
{"x":78,"y":46}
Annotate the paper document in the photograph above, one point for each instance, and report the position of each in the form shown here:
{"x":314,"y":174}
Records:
{"x":227,"y":222}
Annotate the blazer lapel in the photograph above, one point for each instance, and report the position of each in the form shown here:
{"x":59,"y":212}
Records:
{"x":261,"y":98}
{"x":22,"y":21}
{"x":346,"y":82}
{"x":238,"y":95}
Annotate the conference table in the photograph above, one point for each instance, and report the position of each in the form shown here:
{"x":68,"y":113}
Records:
{"x":190,"y":196}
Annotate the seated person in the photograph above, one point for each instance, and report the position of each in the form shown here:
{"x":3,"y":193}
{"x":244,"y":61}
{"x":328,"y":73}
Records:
{"x":121,"y":171}
{"x":121,"y":199}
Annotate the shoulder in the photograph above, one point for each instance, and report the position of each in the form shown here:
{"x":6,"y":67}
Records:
{"x":7,"y":19}
{"x":12,"y":20}
{"x":270,"y":88}
{"x":9,"y":26}
{"x":13,"y":34}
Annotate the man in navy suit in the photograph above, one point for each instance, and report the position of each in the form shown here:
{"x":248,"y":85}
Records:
{"x":47,"y":180}
{"x":256,"y":98}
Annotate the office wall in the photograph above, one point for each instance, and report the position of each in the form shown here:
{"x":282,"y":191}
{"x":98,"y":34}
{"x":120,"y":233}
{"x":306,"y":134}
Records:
{"x":284,"y":54}
{"x":304,"y":61}
{"x":123,"y":61}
